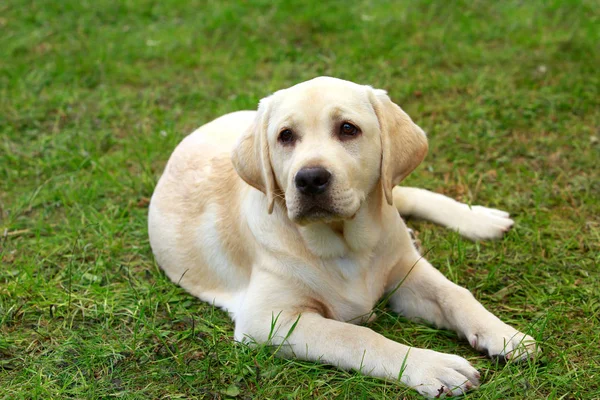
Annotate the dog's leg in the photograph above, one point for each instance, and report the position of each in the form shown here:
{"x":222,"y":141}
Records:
{"x":423,"y":293}
{"x":473,"y":222}
{"x":295,"y":328}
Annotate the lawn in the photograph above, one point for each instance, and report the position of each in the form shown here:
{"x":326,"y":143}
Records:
{"x":94,"y":95}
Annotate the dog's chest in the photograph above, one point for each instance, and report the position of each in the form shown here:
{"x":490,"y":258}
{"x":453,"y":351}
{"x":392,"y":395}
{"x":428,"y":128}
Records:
{"x":356,"y":285}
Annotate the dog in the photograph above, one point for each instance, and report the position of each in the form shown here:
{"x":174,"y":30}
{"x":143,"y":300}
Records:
{"x":289,"y":218}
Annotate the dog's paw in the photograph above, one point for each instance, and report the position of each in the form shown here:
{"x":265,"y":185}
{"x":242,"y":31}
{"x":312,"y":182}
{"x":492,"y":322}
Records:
{"x":482,"y":223}
{"x":505,"y":343}
{"x":437,"y":375}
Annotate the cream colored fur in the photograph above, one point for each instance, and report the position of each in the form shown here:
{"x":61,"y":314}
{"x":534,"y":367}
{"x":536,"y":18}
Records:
{"x":228,"y":224}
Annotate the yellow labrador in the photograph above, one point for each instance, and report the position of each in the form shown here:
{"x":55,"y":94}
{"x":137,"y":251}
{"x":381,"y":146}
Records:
{"x":288,"y":218}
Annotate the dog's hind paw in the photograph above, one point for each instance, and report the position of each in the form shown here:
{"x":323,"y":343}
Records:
{"x":482,"y":223}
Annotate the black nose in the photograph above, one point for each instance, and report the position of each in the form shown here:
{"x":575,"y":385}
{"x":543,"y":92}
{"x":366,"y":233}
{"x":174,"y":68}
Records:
{"x":312,"y":180}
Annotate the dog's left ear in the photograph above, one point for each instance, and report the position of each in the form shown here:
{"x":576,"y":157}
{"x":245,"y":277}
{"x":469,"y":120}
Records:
{"x":403,"y":143}
{"x":250,"y":156}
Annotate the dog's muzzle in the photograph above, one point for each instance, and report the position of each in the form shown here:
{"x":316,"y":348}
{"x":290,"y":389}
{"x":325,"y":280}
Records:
{"x":313,"y":184}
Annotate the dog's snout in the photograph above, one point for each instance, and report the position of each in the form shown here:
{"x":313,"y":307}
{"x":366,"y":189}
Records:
{"x":313,"y":180}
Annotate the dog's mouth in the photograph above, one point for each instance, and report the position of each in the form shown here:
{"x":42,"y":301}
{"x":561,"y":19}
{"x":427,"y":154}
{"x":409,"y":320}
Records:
{"x":316,"y":213}
{"x":332,"y":207}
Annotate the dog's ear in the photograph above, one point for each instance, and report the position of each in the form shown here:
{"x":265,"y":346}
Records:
{"x":403,"y":143}
{"x":250,"y":156}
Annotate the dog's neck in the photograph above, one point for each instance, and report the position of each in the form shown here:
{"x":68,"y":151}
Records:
{"x":357,"y":235}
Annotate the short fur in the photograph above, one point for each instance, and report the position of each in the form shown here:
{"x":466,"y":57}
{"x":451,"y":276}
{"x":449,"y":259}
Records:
{"x":228,"y":224}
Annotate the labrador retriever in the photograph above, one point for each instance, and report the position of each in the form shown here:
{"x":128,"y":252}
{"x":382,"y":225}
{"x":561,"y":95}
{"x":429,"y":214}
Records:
{"x":289,"y":219}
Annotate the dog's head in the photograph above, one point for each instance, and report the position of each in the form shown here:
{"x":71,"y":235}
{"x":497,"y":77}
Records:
{"x":324,"y":145}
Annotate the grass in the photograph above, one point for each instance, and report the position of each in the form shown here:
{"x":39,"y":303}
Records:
{"x":94,"y":95}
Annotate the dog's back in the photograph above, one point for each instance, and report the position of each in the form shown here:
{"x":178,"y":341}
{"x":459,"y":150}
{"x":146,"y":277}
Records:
{"x":192,"y":225}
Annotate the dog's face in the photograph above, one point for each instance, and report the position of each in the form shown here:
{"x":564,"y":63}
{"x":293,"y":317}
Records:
{"x":325,"y":149}
{"x":326,"y":144}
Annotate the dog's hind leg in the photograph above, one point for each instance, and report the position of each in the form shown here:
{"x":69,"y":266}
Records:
{"x":472,"y":222}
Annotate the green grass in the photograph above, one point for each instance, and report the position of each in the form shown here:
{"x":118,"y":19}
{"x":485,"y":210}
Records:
{"x":94,"y":95}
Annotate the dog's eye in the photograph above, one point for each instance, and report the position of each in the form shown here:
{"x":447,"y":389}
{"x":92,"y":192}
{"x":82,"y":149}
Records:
{"x":286,"y":136}
{"x":347,"y":130}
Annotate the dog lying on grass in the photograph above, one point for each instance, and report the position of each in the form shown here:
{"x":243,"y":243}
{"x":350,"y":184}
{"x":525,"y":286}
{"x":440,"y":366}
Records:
{"x":289,"y":219}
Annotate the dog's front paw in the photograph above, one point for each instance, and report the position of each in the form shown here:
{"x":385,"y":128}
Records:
{"x":505,"y":343}
{"x":485,"y":223}
{"x":436,"y":375}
